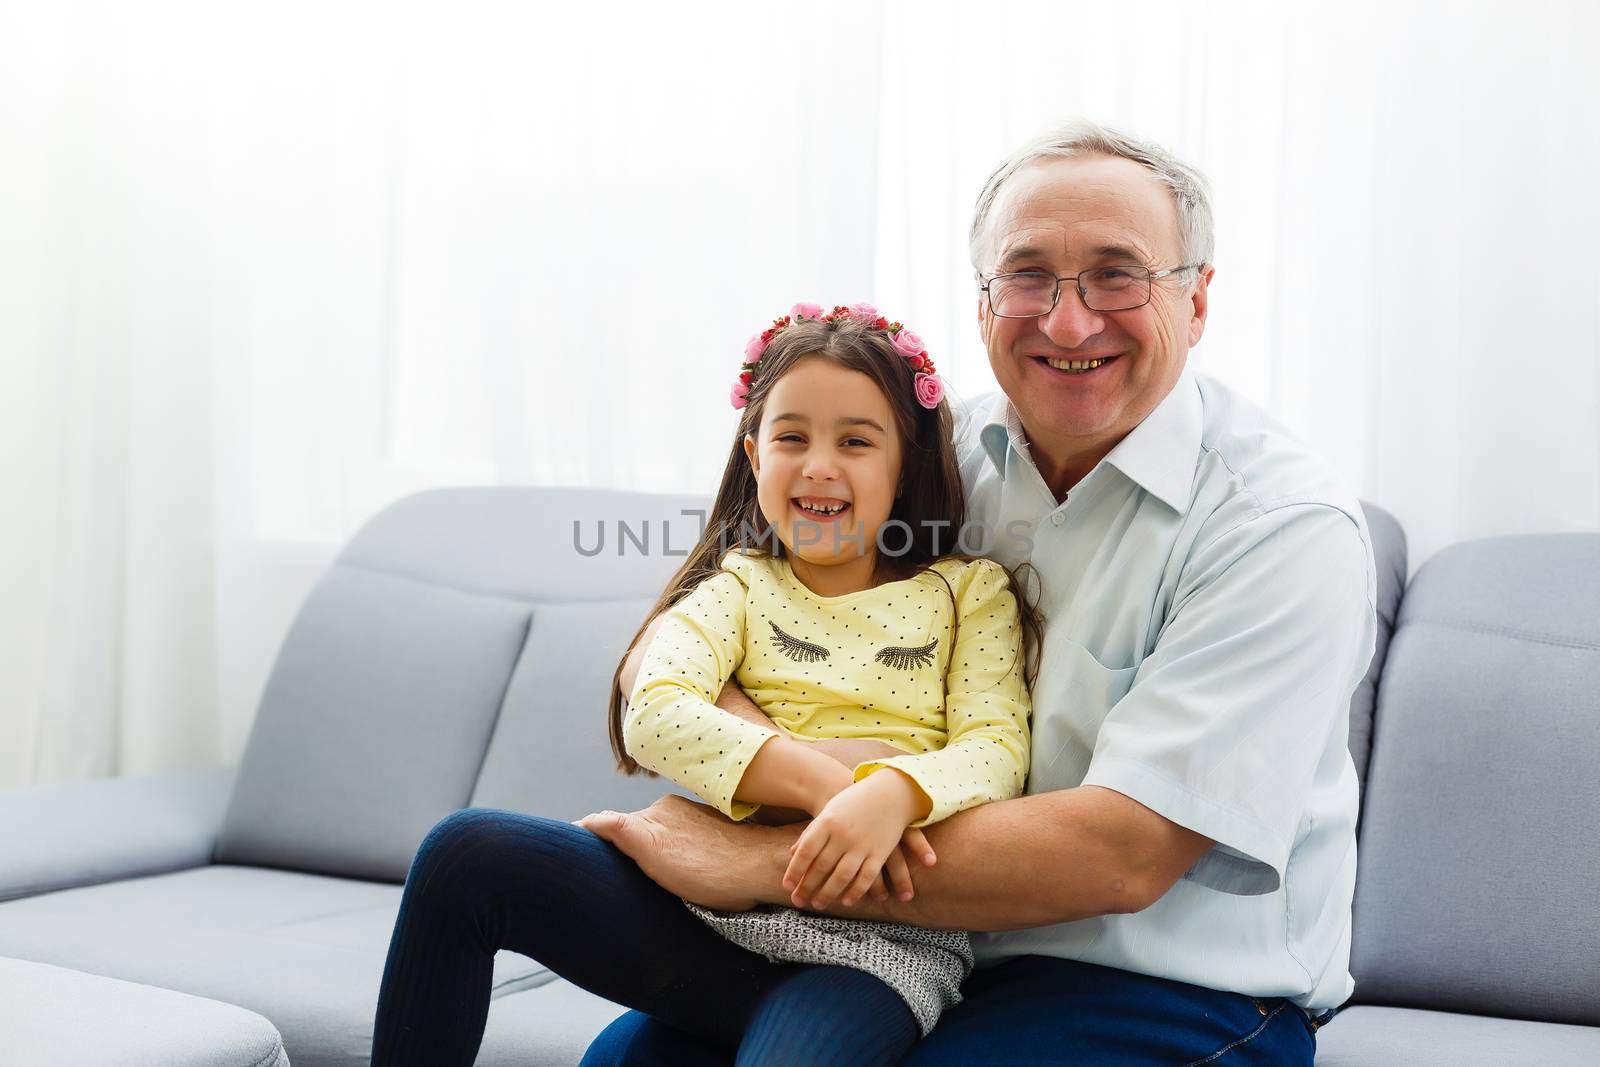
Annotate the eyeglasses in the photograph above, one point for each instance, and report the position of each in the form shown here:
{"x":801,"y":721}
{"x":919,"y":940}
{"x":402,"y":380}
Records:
{"x":1031,"y":293}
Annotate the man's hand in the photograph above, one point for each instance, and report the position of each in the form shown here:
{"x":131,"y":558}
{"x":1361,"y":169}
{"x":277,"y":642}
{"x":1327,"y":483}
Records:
{"x":696,"y":852}
{"x":842,"y":852}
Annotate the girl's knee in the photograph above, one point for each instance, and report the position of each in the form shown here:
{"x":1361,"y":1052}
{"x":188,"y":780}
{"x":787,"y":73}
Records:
{"x":465,"y":825}
{"x":468,"y":842}
{"x":461,"y":841}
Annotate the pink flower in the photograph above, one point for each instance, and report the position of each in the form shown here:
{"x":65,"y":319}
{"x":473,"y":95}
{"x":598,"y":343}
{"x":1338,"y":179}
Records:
{"x":806,"y":311}
{"x":864,"y":313}
{"x":930,"y":390}
{"x":737,"y":397}
{"x":907,"y":343}
{"x":753,"y":349}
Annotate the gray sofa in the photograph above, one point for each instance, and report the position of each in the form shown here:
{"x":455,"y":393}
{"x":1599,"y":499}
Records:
{"x":457,"y":653}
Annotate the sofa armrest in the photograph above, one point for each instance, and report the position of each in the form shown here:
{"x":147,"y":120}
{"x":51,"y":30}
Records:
{"x":85,"y":833}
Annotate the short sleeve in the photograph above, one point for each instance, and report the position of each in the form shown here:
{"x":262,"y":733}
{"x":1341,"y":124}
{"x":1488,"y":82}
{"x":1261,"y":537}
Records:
{"x":673,"y":725}
{"x":985,"y":755}
{"x":1228,"y":717}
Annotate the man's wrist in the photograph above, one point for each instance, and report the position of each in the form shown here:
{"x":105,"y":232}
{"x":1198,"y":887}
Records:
{"x":761,"y":867}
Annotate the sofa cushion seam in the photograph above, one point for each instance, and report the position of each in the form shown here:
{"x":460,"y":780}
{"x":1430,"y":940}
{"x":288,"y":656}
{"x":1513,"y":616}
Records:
{"x":273,"y":1055}
{"x":42,"y":888}
{"x":1501,"y":631}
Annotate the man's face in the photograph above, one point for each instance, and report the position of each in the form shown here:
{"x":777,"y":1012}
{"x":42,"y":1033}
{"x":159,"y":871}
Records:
{"x":1062,"y":217}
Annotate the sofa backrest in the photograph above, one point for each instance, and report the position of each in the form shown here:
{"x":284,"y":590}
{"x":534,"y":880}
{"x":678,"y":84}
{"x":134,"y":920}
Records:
{"x":458,"y":652}
{"x":551,"y":750}
{"x":1478,"y":852}
{"x":1389,"y":554}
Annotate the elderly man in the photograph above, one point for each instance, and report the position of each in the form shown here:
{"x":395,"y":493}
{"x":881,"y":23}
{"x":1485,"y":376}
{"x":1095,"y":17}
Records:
{"x":1176,"y":885}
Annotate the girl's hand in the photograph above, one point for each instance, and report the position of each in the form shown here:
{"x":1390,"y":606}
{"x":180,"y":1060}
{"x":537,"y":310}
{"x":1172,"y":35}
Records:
{"x":841,"y":854}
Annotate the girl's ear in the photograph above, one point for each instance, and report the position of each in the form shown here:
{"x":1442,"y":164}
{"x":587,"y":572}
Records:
{"x":751,"y":454}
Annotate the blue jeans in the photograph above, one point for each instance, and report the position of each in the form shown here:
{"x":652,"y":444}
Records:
{"x":1039,"y":1010}
{"x":485,"y":879}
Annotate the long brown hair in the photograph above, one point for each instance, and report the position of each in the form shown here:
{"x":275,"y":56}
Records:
{"x":930,"y":499}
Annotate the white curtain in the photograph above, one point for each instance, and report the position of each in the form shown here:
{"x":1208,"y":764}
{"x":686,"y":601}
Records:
{"x":1407,"y":229}
{"x":266,"y":268}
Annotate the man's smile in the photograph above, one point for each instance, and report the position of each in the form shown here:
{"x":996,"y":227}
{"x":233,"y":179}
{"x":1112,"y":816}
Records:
{"x":1075,"y":368}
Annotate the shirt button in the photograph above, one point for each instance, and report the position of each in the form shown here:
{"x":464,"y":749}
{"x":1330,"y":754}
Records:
{"x":1057,"y":519}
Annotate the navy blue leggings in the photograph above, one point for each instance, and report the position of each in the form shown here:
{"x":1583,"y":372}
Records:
{"x":485,"y":880}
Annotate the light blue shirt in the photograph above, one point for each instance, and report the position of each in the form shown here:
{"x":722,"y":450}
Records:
{"x":1208,"y":597}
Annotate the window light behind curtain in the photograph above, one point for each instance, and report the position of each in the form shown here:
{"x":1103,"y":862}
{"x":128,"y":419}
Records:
{"x":270,"y":267}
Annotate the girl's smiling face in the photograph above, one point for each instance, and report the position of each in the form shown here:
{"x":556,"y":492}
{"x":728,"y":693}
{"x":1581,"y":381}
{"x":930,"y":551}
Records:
{"x":827,"y":464}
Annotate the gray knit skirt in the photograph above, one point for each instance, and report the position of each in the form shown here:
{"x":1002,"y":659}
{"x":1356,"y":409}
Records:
{"x":926,"y":967}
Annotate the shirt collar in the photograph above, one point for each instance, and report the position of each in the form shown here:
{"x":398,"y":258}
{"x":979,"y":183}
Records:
{"x":1161,"y":452}
{"x":1001,"y":431}
{"x":1159,"y":455}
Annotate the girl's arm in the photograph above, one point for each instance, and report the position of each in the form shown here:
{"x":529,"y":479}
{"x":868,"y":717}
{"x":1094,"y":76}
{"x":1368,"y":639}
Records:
{"x":791,"y":774}
{"x":792,"y":780}
{"x":803,"y":782}
{"x":984,"y":758}
{"x":986,"y":752}
{"x":848,"y":751}
{"x":672,"y":725}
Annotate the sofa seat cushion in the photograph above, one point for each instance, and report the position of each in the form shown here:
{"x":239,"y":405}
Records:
{"x":1366,"y":1036}
{"x":306,"y":951}
{"x":54,"y":1015}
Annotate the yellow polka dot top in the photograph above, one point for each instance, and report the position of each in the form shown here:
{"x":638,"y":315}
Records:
{"x":902,"y":663}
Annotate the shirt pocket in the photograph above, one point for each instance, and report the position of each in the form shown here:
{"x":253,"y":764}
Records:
{"x":1072,"y":696}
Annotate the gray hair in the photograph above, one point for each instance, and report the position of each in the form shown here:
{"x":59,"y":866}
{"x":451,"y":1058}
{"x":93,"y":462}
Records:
{"x":1080,"y":137}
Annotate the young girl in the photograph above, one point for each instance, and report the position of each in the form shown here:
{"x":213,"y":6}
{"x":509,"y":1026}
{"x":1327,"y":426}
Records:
{"x":825,"y":588}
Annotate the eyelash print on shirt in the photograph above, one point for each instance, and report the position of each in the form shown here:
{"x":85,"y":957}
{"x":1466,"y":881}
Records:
{"x":794,"y":648}
{"x":906,"y":658}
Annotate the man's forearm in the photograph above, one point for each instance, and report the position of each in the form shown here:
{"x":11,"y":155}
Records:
{"x":1032,"y":861}
{"x":733,"y":700}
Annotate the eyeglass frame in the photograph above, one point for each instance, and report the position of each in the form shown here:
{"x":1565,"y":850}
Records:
{"x":1083,"y":294}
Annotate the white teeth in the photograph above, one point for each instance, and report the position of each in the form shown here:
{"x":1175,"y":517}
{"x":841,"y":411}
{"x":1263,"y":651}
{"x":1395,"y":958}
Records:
{"x":1075,"y":364}
{"x":825,"y":509}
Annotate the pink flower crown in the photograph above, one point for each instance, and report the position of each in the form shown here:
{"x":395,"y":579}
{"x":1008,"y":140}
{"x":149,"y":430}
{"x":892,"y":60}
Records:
{"x":927,"y":383}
